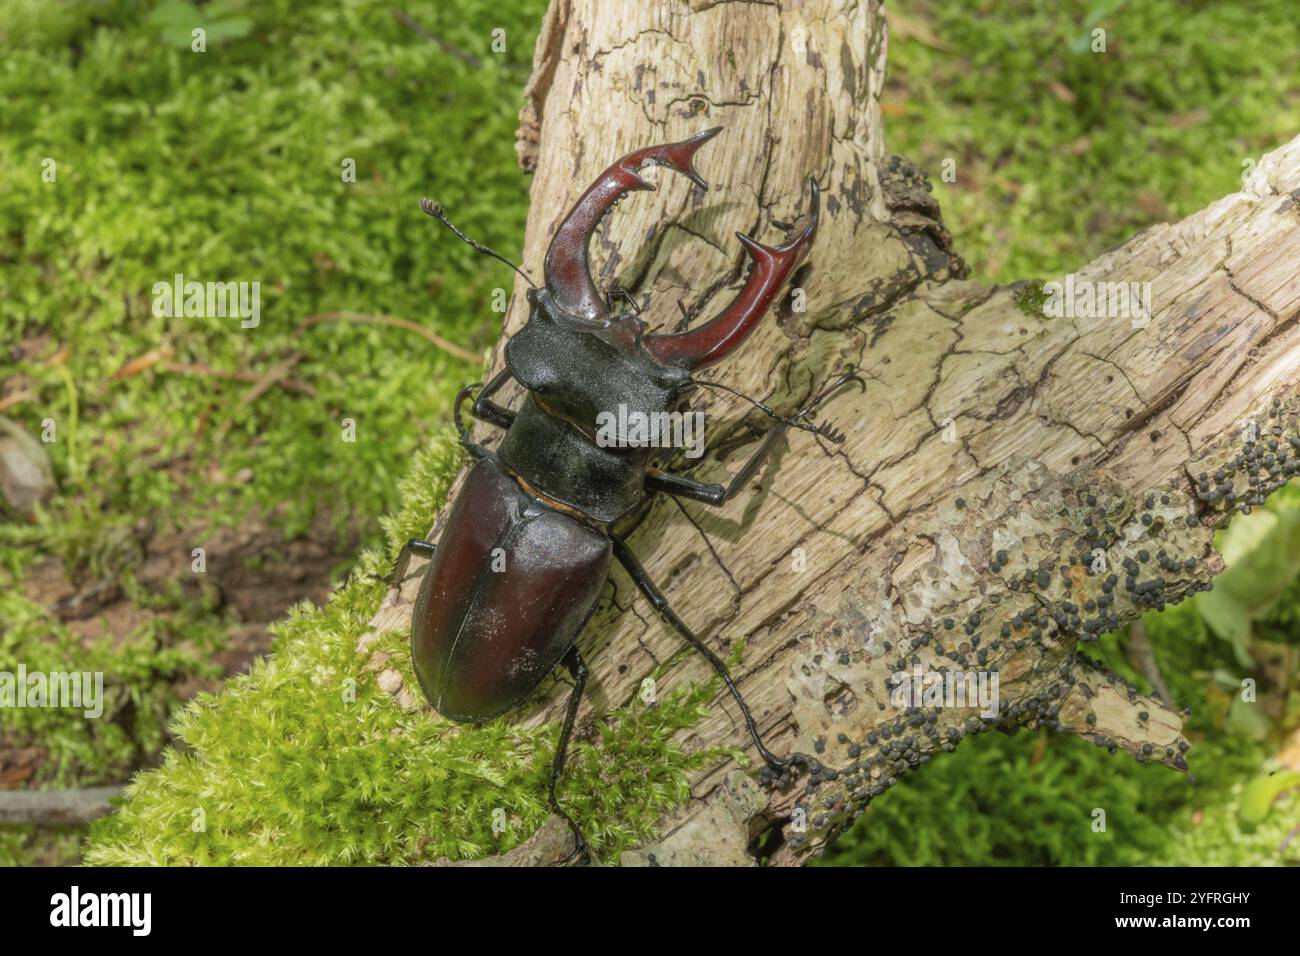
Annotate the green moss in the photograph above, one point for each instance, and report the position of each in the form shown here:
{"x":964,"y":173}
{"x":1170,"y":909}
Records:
{"x":142,"y":671}
{"x":40,"y":846}
{"x":1062,"y":153}
{"x":139,"y":670}
{"x":1023,"y":800}
{"x":226,"y":165}
{"x":1213,"y":836}
{"x":305,"y":761}
{"x":223,"y":166}
{"x":1030,"y":296}
{"x":1028,"y":800}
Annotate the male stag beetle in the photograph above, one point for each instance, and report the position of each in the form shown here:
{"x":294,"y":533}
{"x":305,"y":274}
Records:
{"x":550,"y":498}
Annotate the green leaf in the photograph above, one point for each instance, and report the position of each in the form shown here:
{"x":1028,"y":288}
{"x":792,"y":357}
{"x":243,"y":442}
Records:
{"x":176,"y":22}
{"x":1248,"y":719}
{"x":1262,"y":551}
{"x":1258,"y":796}
{"x":1228,"y":618}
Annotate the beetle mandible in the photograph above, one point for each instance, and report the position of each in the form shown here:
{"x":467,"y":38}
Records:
{"x":554,"y":500}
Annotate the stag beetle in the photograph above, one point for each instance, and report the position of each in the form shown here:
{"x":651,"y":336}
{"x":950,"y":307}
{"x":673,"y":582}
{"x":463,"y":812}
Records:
{"x":551,"y":500}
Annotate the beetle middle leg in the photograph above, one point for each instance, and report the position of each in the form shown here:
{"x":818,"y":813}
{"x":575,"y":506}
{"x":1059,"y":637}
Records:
{"x":712,"y":493}
{"x":484,"y":410}
{"x":715,"y":494}
{"x":777,"y":765}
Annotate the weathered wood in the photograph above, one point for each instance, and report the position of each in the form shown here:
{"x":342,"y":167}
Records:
{"x":983,"y":428}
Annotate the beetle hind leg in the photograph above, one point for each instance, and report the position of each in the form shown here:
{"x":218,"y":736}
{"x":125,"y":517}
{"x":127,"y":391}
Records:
{"x":778,"y":769}
{"x":573,"y":661}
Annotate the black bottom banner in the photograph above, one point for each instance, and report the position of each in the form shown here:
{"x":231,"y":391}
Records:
{"x":338,"y":906}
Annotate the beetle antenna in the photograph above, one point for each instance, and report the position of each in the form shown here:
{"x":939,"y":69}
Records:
{"x":824,"y":429}
{"x":850,"y":374}
{"x":434,"y":209}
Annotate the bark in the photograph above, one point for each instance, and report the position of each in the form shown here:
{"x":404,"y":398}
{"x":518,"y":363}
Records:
{"x":993,"y":456}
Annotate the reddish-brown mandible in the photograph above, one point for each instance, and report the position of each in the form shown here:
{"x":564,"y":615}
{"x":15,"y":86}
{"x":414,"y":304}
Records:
{"x":568,"y":271}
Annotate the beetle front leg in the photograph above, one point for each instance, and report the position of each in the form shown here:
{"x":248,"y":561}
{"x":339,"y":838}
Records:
{"x":578,"y":669}
{"x":779,"y":766}
{"x":484,"y":410}
{"x":489,"y":411}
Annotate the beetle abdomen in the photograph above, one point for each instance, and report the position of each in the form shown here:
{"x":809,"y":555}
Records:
{"x":504,"y":598}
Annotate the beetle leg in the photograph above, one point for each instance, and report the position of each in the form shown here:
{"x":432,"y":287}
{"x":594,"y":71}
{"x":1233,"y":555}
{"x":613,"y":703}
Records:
{"x":490,"y":409}
{"x":712,"y":493}
{"x":415,"y":546}
{"x":618,"y":292}
{"x":778,"y":765}
{"x":482,"y":409}
{"x":573,"y":661}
